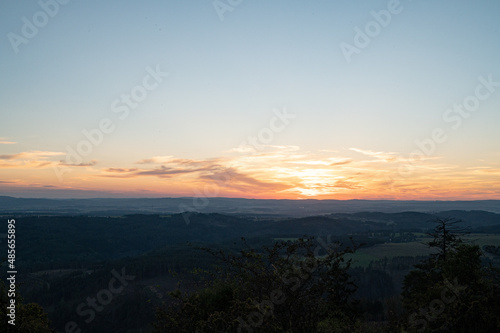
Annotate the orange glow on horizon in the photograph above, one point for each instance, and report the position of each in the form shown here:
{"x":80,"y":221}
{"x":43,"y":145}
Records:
{"x":274,"y":174}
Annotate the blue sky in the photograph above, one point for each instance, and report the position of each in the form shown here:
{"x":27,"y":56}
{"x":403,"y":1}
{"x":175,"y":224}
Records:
{"x":225,"y":79}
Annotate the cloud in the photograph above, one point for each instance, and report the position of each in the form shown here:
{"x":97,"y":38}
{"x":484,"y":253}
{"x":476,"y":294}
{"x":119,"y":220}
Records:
{"x":34,"y":159}
{"x":341,"y":162}
{"x":155,"y":160}
{"x":172,"y":161}
{"x":120,"y":170}
{"x":42,"y":164}
{"x":388,"y":157}
{"x":310,"y":162}
{"x":194,"y":163}
{"x":11,"y":157}
{"x":200,"y":171}
{"x":48,"y":191}
{"x":263,"y":172}
{"x":346,"y":184}
{"x":245,"y":148}
{"x":485,"y":170}
{"x":4,"y":141}
{"x":170,"y":167}
{"x":231,"y":178}
{"x":163,"y":171}
{"x":26,"y":165}
{"x":281,"y":171}
{"x":31,"y":155}
{"x":326,"y":162}
{"x":89,"y":164}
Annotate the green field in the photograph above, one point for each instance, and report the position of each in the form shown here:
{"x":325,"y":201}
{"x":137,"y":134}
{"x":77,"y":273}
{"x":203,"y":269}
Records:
{"x":364,"y":256}
{"x":484,"y":239}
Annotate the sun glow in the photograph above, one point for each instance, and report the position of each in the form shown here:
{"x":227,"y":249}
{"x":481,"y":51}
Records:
{"x":276,"y":174}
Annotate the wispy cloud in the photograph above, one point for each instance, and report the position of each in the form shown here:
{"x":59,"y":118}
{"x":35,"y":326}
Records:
{"x":332,"y":161}
{"x":11,"y":156}
{"x":245,"y":149}
{"x":30,"y":155}
{"x":120,"y":170}
{"x":385,"y":156}
{"x":155,"y":160}
{"x":83,"y":164}
{"x":231,"y":178}
{"x":35,"y":159}
{"x":5,"y":141}
{"x":279,"y":171}
{"x":211,"y":171}
{"x":164,"y":171}
{"x":169,"y":167}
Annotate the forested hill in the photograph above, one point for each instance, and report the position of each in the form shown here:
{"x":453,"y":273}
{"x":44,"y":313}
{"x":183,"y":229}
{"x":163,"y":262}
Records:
{"x":90,"y":238}
{"x":64,"y":260}
{"x":269,"y":207}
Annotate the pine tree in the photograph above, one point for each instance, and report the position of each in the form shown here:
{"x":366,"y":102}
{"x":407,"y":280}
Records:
{"x":450,"y":291}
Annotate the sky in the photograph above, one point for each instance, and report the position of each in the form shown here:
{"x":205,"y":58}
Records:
{"x":254,"y":99}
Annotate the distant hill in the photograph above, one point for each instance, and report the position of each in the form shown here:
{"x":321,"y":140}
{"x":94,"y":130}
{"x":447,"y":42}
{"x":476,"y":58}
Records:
{"x":419,"y":220}
{"x":79,"y":239}
{"x":238,"y":206}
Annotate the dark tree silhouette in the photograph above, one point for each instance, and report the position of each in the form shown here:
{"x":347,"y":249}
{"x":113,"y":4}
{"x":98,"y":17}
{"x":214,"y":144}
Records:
{"x":293,"y":286}
{"x":450,"y":291}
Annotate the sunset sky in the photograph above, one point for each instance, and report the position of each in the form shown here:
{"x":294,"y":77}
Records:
{"x":252,"y":98}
